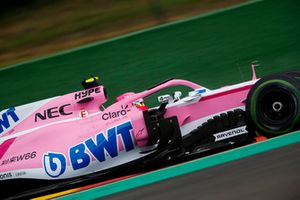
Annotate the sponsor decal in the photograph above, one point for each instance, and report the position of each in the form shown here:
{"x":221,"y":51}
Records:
{"x":25,"y":156}
{"x":83,"y":113}
{"x":5,"y":176}
{"x":115,"y":114}
{"x":5,"y":123}
{"x":21,"y":173}
{"x":231,"y":133}
{"x":100,"y":147}
{"x":140,"y":132}
{"x":86,"y":93}
{"x":52,"y":113}
{"x":54,"y":164}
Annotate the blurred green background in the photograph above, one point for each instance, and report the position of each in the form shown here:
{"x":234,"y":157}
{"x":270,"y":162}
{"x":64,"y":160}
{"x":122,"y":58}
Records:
{"x":213,"y":51}
{"x":30,"y":28}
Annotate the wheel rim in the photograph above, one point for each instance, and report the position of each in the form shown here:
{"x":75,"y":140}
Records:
{"x":277,"y":108}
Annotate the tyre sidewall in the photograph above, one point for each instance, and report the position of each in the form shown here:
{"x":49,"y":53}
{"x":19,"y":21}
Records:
{"x":253,"y":99}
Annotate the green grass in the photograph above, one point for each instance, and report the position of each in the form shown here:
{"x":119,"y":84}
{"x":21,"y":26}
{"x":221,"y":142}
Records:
{"x":213,"y":51}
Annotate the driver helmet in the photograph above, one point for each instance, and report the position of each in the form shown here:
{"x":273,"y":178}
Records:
{"x":140,"y":104}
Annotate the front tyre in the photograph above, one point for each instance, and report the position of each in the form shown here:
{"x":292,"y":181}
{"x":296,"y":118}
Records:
{"x":273,"y":105}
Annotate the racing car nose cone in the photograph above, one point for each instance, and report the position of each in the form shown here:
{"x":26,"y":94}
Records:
{"x":277,"y":106}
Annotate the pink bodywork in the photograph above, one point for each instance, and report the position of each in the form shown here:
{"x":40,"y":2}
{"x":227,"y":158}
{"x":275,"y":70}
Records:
{"x":64,"y":121}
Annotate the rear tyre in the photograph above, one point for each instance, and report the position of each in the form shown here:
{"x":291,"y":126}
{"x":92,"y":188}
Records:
{"x":273,"y":105}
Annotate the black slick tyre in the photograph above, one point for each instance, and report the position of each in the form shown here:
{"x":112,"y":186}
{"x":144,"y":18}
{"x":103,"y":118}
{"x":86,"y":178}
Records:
{"x":273,"y":105}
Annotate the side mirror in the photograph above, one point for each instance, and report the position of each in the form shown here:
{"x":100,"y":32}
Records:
{"x":177,"y":95}
{"x":165,"y":98}
{"x":168,"y":98}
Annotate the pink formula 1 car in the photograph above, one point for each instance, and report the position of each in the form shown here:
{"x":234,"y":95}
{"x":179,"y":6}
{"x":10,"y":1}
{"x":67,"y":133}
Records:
{"x":72,"y":137}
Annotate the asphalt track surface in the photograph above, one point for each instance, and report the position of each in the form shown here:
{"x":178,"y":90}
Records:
{"x":270,"y":175}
